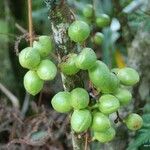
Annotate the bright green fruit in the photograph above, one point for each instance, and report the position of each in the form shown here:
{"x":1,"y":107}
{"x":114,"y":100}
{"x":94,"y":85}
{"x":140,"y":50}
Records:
{"x":81,"y":120}
{"x":86,"y":59}
{"x":105,"y":136}
{"x":79,"y":31}
{"x":124,"y":96}
{"x":103,"y":20}
{"x":100,"y":122}
{"x":61,"y":102}
{"x":68,"y":67}
{"x":98,"y":38}
{"x":108,"y":104}
{"x":88,"y":11}
{"x":133,"y":121}
{"x":79,"y":98}
{"x":128,"y":76}
{"x":29,"y":58}
{"x":46,"y":70}
{"x":115,"y":70}
{"x":44,"y":45}
{"x":32,"y":83}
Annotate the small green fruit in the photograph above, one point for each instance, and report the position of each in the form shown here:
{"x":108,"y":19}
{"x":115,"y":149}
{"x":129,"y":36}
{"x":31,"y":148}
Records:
{"x":81,"y":120}
{"x":79,"y":98}
{"x":105,"y":136}
{"x":115,"y":70}
{"x":98,"y":38}
{"x":88,"y":11}
{"x":86,"y":59}
{"x":128,"y":76}
{"x":103,"y":20}
{"x":108,"y":104}
{"x":46,"y":70}
{"x":100,"y":122}
{"x":68,"y":67}
{"x":61,"y":102}
{"x":29,"y":58}
{"x":79,"y":31}
{"x":44,"y":45}
{"x":124,"y":96}
{"x":133,"y":121}
{"x":32,"y":83}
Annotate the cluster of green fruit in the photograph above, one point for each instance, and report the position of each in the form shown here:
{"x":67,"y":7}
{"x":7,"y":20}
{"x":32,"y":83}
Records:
{"x":112,"y":85}
{"x":40,"y":67}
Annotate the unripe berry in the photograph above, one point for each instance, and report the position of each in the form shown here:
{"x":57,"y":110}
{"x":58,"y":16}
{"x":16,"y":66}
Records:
{"x":32,"y":83}
{"x":133,"y":121}
{"x":29,"y":58}
{"x":98,"y":38}
{"x":100,"y":122}
{"x":88,"y":11}
{"x":128,"y":76}
{"x":103,"y":20}
{"x":124,"y":96}
{"x":105,"y":136}
{"x":79,"y":98}
{"x":46,"y":70}
{"x":81,"y":120}
{"x":108,"y":104}
{"x":79,"y":31}
{"x":44,"y":45}
{"x":68,"y":67}
{"x":61,"y":102}
{"x":86,"y":59}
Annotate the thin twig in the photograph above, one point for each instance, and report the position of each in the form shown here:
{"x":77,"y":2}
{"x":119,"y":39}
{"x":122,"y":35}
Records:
{"x":86,"y":141}
{"x":20,"y":28}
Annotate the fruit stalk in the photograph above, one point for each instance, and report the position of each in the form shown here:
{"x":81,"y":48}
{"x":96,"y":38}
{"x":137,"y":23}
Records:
{"x":61,"y":17}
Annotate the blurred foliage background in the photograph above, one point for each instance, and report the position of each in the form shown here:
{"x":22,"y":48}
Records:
{"x":126,"y":44}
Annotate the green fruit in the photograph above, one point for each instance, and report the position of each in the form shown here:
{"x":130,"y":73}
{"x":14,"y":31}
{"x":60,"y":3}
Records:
{"x":88,"y":11}
{"x":103,"y":20}
{"x":44,"y":45}
{"x":86,"y":59}
{"x":128,"y":76}
{"x":79,"y":31}
{"x":68,"y":67}
{"x":115,"y":70}
{"x":105,"y":136}
{"x":32,"y":83}
{"x":98,"y":38}
{"x":79,"y":98}
{"x":108,"y":104}
{"x":46,"y":70}
{"x":29,"y":58}
{"x":99,"y":74}
{"x":61,"y":102}
{"x":124,"y":96}
{"x":133,"y":121}
{"x":100,"y":122}
{"x":81,"y":120}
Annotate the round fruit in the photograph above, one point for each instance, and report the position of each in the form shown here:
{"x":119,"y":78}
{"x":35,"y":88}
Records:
{"x":124,"y":96}
{"x":128,"y":76}
{"x":79,"y":31}
{"x":105,"y":136}
{"x":61,"y":102}
{"x":100,"y":122}
{"x":86,"y":59}
{"x":133,"y":121}
{"x":32,"y":83}
{"x":108,"y":104}
{"x":44,"y":45}
{"x":79,"y":98}
{"x":98,"y":38}
{"x":29,"y":58}
{"x":81,"y":120}
{"x":103,"y":20}
{"x":88,"y":11}
{"x":46,"y":70}
{"x":68,"y":67}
